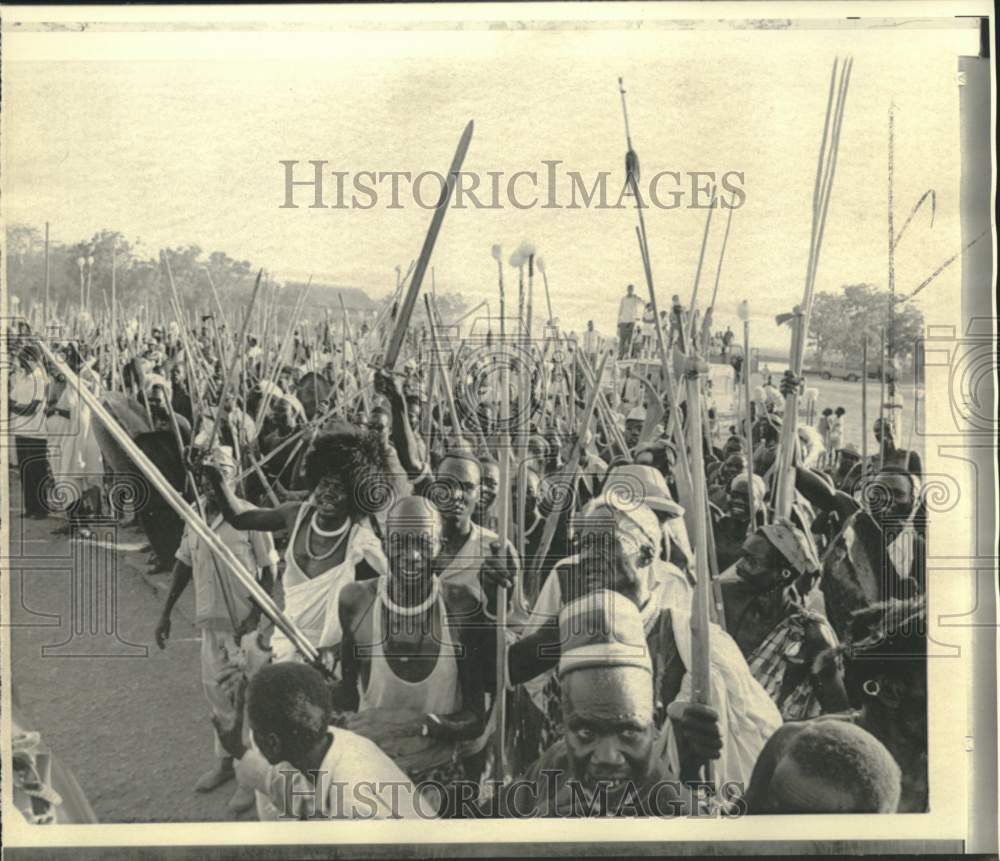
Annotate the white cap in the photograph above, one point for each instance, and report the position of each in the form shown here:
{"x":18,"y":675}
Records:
{"x":637,"y":414}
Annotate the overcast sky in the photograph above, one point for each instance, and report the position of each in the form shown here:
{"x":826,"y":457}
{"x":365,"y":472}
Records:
{"x":177,"y":138}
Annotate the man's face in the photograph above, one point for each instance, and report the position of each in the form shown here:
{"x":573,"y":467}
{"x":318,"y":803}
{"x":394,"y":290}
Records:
{"x":739,"y":505}
{"x":609,"y":730}
{"x":489,"y":485}
{"x":331,"y":497}
{"x":757,"y":562}
{"x":413,"y":413}
{"x":157,"y":403}
{"x":892,"y":497}
{"x":282,"y":412}
{"x":610,"y":558}
{"x":732,"y":467}
{"x":412,"y":547}
{"x":462,"y":479}
{"x":378,"y":423}
{"x":633,"y":430}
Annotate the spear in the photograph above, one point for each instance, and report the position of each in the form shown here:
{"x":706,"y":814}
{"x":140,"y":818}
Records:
{"x":503,"y":513}
{"x":743,"y":312}
{"x":825,"y":172}
{"x":176,"y":501}
{"x":227,"y":382}
{"x":409,"y":303}
{"x":497,"y":254}
{"x":567,"y":476}
{"x":540,"y":263}
{"x":881,"y":402}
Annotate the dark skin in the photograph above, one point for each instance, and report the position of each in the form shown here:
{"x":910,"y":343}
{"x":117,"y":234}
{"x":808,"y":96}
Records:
{"x":696,"y":726}
{"x":463,"y":479}
{"x":609,"y":728}
{"x":404,"y":438}
{"x":413,"y":644}
{"x":332,"y":512}
{"x":183,"y":574}
{"x":306,"y":758}
{"x":488,"y":486}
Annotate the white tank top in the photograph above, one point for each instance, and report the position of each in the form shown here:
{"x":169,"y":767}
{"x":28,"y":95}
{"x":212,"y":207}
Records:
{"x":439,"y":693}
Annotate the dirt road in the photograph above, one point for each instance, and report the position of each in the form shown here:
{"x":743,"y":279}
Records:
{"x":130,"y":721}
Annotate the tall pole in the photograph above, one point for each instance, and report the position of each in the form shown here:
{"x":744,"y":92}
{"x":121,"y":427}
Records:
{"x":890,"y":341}
{"x":114,"y":314}
{"x":881,"y":404}
{"x":864,"y":405}
{"x":45,"y":307}
{"x":744,"y":314}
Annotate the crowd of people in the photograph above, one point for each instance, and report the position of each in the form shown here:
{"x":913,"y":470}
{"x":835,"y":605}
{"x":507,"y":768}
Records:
{"x":494,"y":558}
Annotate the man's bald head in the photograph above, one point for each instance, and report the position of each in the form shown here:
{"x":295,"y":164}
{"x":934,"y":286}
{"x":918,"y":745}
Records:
{"x":413,"y":537}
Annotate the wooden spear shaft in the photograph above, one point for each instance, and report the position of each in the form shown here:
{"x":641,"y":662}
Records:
{"x":176,"y":501}
{"x":503,"y":512}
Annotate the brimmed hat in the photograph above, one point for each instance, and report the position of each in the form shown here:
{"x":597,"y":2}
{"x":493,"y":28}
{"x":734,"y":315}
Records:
{"x":633,"y":483}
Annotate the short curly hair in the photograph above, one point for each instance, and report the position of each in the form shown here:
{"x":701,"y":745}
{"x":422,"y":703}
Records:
{"x":292,"y":701}
{"x":356,"y":457}
{"x":852,"y":759}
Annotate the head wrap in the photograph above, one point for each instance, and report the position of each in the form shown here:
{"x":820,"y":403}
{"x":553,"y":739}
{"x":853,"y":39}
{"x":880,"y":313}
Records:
{"x":792,"y":544}
{"x":635,"y":520}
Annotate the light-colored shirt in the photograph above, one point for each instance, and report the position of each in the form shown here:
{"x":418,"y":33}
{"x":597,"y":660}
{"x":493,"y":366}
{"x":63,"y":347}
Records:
{"x":255,"y":550}
{"x":356,"y":781}
{"x":630,"y":309}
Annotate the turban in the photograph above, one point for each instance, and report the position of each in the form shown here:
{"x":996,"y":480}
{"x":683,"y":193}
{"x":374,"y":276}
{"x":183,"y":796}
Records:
{"x":635,"y":520}
{"x":792,"y":544}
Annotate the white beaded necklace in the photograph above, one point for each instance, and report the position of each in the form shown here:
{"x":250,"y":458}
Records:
{"x":342,"y":532}
{"x":383,"y":594}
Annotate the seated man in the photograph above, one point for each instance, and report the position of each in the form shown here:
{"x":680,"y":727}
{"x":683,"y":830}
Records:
{"x":411,"y":671}
{"x":825,"y":766}
{"x":289,"y":708}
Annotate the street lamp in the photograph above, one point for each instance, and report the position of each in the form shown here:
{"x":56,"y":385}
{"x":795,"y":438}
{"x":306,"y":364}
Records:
{"x":90,"y":274}
{"x":81,"y":262}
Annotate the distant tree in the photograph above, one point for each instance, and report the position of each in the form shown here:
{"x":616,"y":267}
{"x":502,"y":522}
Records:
{"x":841,"y":322}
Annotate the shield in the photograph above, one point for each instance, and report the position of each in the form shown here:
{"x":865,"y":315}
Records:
{"x":162,"y":525}
{"x":130,"y":415}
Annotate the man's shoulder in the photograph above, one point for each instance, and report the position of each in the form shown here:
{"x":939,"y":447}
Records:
{"x":359,"y":594}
